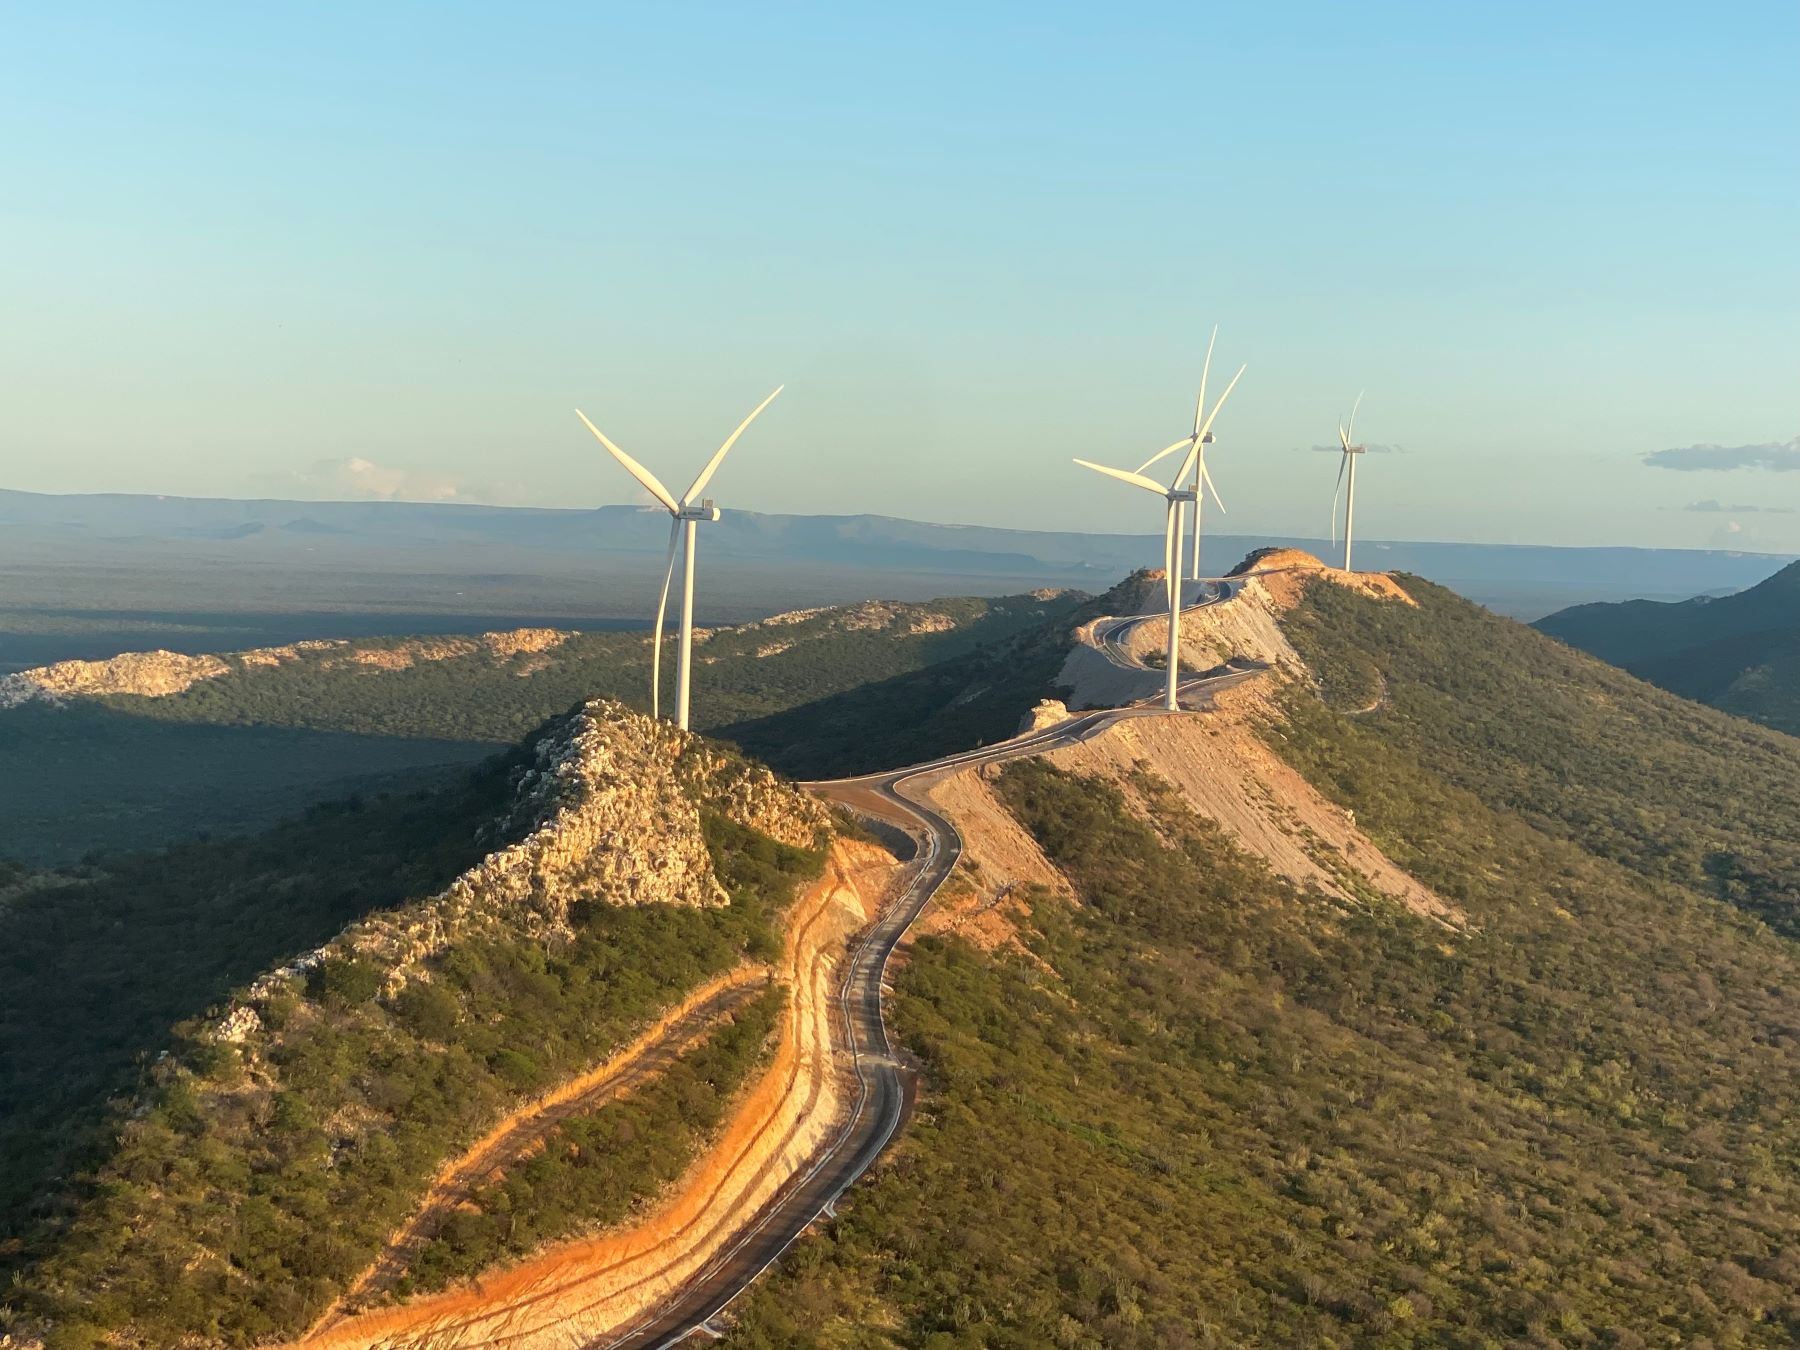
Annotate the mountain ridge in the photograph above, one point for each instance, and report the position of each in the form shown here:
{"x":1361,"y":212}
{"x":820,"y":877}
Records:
{"x":1738,"y":652}
{"x":527,"y":563}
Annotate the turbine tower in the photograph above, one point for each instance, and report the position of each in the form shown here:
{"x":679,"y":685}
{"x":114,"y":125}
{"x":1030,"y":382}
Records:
{"x":1203,"y":482}
{"x":684,"y":515}
{"x":1347,"y":463}
{"x":1176,"y":496}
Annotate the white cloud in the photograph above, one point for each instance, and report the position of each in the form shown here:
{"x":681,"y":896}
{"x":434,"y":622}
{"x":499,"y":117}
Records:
{"x":1780,"y":456}
{"x":360,"y":479}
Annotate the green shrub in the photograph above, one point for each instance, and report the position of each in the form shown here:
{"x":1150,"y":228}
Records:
{"x":343,"y":981}
{"x":428,"y":1009}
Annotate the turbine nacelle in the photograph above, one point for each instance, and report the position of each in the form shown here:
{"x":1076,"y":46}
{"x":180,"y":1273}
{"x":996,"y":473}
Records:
{"x":685,"y":512}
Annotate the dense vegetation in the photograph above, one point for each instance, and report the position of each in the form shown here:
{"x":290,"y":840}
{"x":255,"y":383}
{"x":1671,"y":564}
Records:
{"x":103,"y":781}
{"x":250,"y":747}
{"x":1215,"y":1110}
{"x":971,"y":700}
{"x":98,"y":966}
{"x":1674,"y":791}
{"x":1738,"y":652}
{"x":746,"y":672}
{"x":592,"y":1170}
{"x":237,"y":1197}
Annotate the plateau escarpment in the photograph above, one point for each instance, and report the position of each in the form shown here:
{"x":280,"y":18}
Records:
{"x":265,"y":1160}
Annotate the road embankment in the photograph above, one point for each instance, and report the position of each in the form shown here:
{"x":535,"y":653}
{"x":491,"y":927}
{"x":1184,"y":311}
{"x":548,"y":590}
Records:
{"x":581,"y":1292}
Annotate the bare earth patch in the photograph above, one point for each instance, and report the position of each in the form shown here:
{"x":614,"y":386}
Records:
{"x":578,"y":1292}
{"x":986,"y":902}
{"x":1222,"y":768}
{"x":517,"y":1137}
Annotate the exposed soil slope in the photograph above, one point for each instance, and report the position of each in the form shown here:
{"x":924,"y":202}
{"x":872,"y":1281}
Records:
{"x":522,"y":1133}
{"x":1223,"y":769}
{"x":1220,"y":762}
{"x":580,"y":1291}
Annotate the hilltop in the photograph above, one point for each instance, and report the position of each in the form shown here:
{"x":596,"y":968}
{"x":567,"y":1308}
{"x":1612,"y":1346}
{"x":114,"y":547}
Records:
{"x":1737,"y":652}
{"x":236,"y":1073}
{"x":1433,"y":989}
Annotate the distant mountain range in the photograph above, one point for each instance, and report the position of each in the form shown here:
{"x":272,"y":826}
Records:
{"x":90,"y":575}
{"x":1737,"y":652}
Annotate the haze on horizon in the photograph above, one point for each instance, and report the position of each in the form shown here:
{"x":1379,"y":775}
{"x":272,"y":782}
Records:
{"x":354,"y":252}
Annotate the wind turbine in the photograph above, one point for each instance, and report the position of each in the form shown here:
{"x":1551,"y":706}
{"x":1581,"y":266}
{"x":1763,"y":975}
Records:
{"x":684,"y":515}
{"x":1203,"y":482}
{"x":1176,"y":496}
{"x":1348,"y":462}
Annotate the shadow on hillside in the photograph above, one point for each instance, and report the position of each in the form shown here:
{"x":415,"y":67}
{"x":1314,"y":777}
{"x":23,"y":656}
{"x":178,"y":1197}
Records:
{"x":86,"y":778}
{"x":96,"y":969}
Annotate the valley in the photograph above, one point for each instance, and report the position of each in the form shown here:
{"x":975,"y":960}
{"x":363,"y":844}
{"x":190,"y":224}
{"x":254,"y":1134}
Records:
{"x":1739,"y":652}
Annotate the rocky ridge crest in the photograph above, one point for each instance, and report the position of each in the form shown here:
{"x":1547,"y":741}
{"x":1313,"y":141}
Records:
{"x":606,"y":808}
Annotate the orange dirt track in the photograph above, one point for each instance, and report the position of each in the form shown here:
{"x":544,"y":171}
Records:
{"x":574,"y":1294}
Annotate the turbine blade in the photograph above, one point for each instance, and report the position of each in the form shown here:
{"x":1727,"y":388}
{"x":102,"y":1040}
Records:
{"x":1206,"y":478}
{"x":662,"y":608}
{"x":731,"y":440}
{"x":1200,"y":403}
{"x":1206,"y":426}
{"x":1344,"y":436}
{"x":1166,"y":450}
{"x":1126,"y":476}
{"x":1188,"y":462}
{"x":632,"y":467}
{"x":1350,"y":435}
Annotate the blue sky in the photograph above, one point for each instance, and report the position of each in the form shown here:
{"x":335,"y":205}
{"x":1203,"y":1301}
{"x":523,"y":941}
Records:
{"x":373,"y":250}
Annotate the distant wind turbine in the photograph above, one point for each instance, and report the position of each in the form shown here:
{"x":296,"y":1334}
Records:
{"x":1203,"y":482}
{"x":1347,"y":463}
{"x":1176,"y":496}
{"x":684,"y":515}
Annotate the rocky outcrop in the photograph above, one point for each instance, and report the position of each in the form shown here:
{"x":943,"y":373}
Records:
{"x":868,"y":617}
{"x":160,"y":674}
{"x":1047,"y":713}
{"x":607,"y":809}
{"x":748,"y":793}
{"x":151,"y":674}
{"x":1288,"y":571}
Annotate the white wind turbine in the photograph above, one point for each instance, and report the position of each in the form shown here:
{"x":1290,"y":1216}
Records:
{"x":1175,"y":495}
{"x":1203,"y":482}
{"x":684,"y":515}
{"x":1347,"y":462}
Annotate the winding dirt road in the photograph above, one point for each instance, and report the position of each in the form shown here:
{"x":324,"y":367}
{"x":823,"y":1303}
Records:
{"x":833,"y":1101}
{"x":898,"y":798}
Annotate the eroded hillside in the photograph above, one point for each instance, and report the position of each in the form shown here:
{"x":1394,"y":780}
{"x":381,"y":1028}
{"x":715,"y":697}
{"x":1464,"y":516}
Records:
{"x":264,"y":1160}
